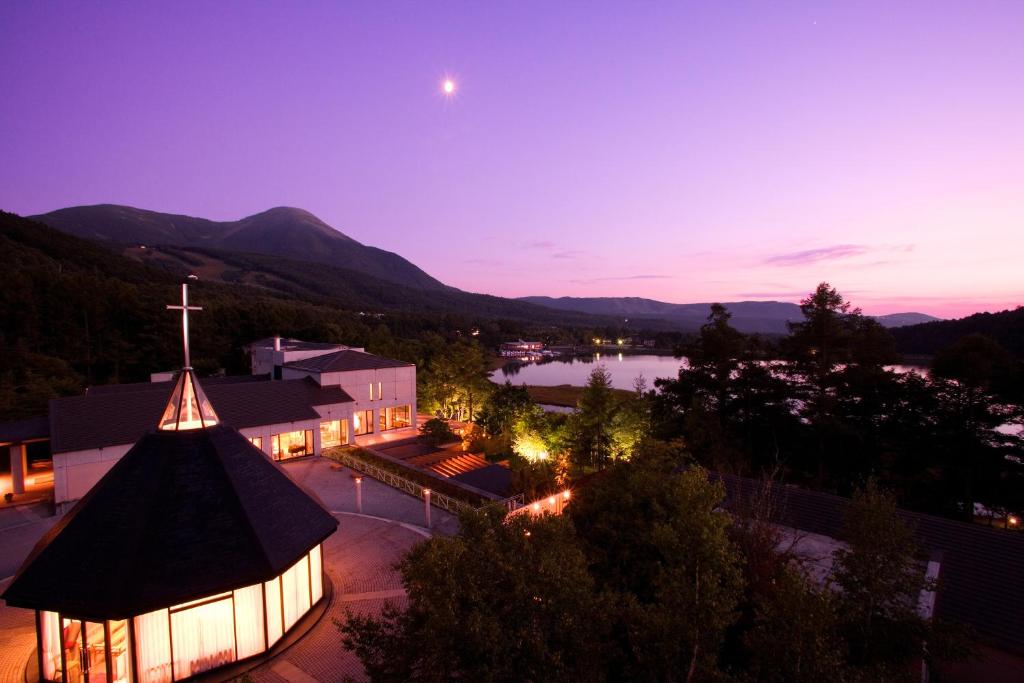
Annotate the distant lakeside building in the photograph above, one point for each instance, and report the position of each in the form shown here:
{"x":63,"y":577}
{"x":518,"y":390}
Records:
{"x":520,"y":348}
{"x":301,"y":397}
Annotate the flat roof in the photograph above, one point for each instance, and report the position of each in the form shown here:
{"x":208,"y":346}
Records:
{"x":345,"y":361}
{"x":25,"y":430}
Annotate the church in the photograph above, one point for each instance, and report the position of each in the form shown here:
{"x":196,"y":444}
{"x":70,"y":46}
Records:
{"x":192,"y":551}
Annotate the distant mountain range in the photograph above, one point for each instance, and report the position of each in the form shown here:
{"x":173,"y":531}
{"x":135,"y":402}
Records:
{"x":764,"y":317}
{"x":282,"y":231}
{"x":293,"y":252}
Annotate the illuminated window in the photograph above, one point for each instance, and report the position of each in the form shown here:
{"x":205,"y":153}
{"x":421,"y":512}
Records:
{"x":395,"y":418}
{"x":184,"y":640}
{"x":333,"y":433}
{"x":363,"y":420}
{"x":292,"y":444}
{"x":256,"y":441}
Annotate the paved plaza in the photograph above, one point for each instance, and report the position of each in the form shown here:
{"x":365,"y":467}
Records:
{"x":359,"y":558}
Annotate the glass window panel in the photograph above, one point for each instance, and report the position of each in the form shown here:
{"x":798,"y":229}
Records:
{"x":120,"y":652}
{"x":249,"y":620}
{"x":330,"y":433}
{"x":153,"y":647}
{"x":203,"y":637}
{"x":316,"y":573}
{"x":295,"y":585}
{"x":363,"y":422}
{"x":256,"y":441}
{"x":95,"y":651}
{"x":293,"y":444}
{"x":74,"y":650}
{"x":273,"y":593}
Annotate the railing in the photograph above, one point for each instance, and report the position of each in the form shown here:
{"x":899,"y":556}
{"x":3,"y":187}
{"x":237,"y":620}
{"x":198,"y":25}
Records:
{"x":441,"y":500}
{"x":513,"y":503}
{"x":350,"y":458}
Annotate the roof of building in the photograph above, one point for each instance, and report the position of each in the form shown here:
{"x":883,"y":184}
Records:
{"x":493,"y":478}
{"x":148,"y":386}
{"x":183,"y":515}
{"x":27,"y":429}
{"x":981,"y":568}
{"x":288,"y":344}
{"x":121,"y":415}
{"x":346,"y":360}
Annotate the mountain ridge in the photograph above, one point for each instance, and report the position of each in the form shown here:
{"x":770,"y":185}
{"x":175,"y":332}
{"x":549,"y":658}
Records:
{"x":766,"y":317}
{"x":280,"y":231}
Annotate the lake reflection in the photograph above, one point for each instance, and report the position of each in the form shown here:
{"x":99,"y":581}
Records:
{"x":624,"y":369}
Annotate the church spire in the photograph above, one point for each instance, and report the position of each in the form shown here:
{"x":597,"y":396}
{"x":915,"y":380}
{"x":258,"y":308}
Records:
{"x":188,"y":407}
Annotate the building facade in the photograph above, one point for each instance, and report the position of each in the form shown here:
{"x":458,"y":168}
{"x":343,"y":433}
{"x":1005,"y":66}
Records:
{"x":324,"y":395}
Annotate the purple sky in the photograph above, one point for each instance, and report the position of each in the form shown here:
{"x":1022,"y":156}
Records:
{"x":684,"y":152}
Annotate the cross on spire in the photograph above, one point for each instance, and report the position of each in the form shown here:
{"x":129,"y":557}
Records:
{"x":185,"y":308}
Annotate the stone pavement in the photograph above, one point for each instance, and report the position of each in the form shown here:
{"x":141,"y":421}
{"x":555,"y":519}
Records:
{"x":359,"y":558}
{"x":337,"y":490}
{"x":17,"y":640}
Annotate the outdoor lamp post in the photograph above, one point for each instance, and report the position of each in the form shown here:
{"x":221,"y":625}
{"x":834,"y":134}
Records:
{"x":426,"y":507}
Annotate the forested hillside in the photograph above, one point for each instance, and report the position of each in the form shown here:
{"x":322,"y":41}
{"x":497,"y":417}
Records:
{"x":281,"y":231}
{"x":73,"y":313}
{"x":1005,"y":327}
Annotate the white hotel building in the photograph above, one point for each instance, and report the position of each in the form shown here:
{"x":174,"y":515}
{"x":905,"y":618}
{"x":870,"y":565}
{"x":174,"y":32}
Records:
{"x":300,"y":398}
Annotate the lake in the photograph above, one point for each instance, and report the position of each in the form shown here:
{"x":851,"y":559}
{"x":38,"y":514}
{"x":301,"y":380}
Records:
{"x":575,"y":371}
{"x":624,"y":369}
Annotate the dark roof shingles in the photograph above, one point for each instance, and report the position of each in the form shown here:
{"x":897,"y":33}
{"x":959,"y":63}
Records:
{"x":181,"y":516}
{"x":121,"y":417}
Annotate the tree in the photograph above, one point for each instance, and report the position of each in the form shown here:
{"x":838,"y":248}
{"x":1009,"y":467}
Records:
{"x":880,"y":576}
{"x":437,"y":432}
{"x":503,"y":407}
{"x":657,"y":547}
{"x":455,"y":380}
{"x":596,"y":406}
{"x":505,"y":600}
{"x":968,"y":378}
{"x":715,"y":356}
{"x":631,"y":421}
{"x":794,"y":635}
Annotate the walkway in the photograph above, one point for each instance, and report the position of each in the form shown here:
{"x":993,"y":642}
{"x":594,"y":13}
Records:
{"x":359,"y":558}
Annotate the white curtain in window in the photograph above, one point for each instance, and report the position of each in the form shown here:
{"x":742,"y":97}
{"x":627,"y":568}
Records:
{"x":316,"y":572}
{"x":249,"y":620}
{"x":153,"y":647}
{"x":50,"y":635}
{"x":295,"y":582}
{"x":203,"y":637}
{"x":273,"y":592}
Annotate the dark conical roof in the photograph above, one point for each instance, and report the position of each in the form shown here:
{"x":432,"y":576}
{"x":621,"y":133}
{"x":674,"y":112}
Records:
{"x":183,"y":515}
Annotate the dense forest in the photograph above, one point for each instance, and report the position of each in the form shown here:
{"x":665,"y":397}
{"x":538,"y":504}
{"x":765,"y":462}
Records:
{"x":1005,"y":327}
